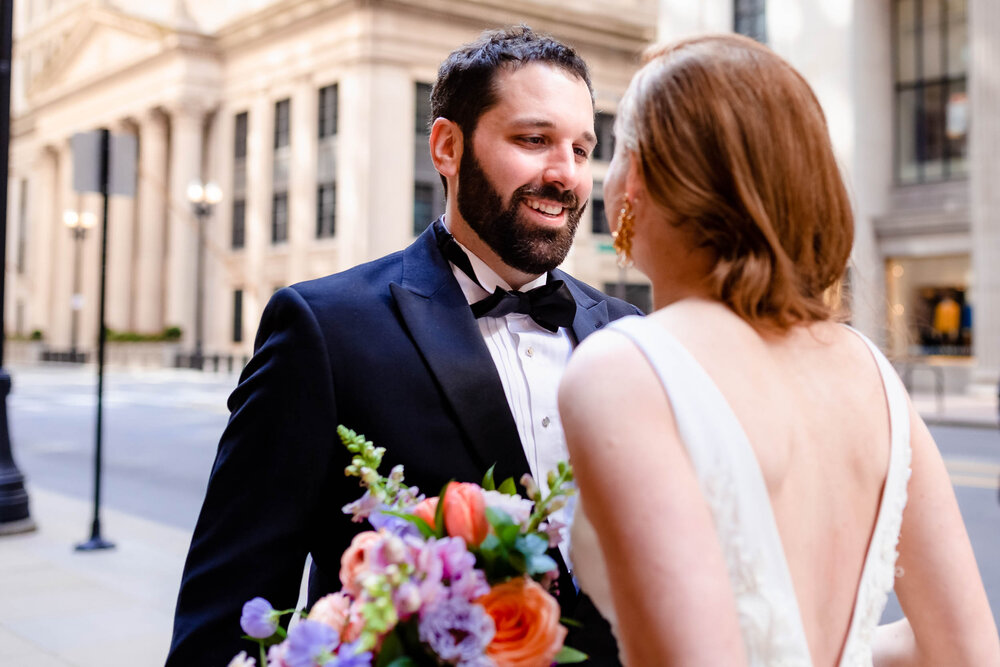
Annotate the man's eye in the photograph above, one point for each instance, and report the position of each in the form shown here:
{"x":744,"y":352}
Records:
{"x":534,"y":141}
{"x":582,"y":152}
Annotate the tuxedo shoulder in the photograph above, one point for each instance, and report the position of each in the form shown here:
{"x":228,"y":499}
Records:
{"x":616,"y":307}
{"x":359,"y":284}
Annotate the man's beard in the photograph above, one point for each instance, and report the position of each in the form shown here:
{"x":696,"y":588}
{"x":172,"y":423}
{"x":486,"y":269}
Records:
{"x":520,"y":244}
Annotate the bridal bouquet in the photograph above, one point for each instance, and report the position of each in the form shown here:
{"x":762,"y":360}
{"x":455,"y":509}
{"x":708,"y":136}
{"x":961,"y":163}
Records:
{"x":458,"y":579}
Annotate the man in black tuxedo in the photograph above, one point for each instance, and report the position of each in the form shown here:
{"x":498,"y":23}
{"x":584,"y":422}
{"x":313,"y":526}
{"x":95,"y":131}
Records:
{"x":430,"y":352}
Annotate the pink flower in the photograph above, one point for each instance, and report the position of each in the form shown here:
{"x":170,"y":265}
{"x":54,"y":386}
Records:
{"x":332,"y":610}
{"x":355,"y":563}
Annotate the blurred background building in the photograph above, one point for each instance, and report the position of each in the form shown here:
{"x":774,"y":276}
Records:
{"x":311,"y":116}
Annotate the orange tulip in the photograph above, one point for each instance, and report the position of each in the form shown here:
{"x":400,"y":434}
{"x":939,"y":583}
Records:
{"x":426,"y":509}
{"x":527,"y":621}
{"x":465,"y":513}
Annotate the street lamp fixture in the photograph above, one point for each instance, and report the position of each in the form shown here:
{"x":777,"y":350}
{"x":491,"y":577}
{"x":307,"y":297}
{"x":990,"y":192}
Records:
{"x":203,"y":198}
{"x":78,"y":224}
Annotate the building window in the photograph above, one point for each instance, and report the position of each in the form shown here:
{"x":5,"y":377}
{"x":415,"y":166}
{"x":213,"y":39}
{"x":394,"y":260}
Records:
{"x":238,"y":316}
{"x":239,"y":223}
{"x":22,"y":226}
{"x":240,"y":127}
{"x":604,"y":124}
{"x":326,"y":210}
{"x":282,"y":122}
{"x":423,"y":206}
{"x":929,"y":309}
{"x":240,"y":124}
{"x":598,"y":221}
{"x":328,"y":111}
{"x":279,"y":217}
{"x":422,"y":119}
{"x":428,"y":195}
{"x":326,"y":163}
{"x":638,"y":294}
{"x":930,"y":48}
{"x":750,"y":19}
{"x":279,"y":174}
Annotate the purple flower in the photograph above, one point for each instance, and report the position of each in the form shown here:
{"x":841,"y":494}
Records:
{"x":351,"y":655}
{"x":456,"y":630}
{"x":310,"y":643}
{"x":394,"y":524}
{"x":470,"y":586}
{"x":259,"y":619}
{"x":454,"y":557}
{"x":363,"y":506}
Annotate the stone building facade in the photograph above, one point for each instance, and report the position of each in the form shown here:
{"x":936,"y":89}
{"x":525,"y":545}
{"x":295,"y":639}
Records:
{"x":311,"y":116}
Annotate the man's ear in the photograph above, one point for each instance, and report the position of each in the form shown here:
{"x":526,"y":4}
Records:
{"x":446,"y":145}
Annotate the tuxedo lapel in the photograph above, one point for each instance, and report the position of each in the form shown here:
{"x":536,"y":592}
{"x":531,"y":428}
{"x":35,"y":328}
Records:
{"x":591,"y":314}
{"x":437,"y":315}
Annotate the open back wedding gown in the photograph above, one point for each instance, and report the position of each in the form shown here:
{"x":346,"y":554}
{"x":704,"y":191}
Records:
{"x":734,"y":488}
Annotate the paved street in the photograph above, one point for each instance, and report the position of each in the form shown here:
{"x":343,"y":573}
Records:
{"x":161,"y":430}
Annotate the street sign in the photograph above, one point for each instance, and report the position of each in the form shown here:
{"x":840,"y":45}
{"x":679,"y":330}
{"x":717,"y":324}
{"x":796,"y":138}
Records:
{"x":87,"y":163}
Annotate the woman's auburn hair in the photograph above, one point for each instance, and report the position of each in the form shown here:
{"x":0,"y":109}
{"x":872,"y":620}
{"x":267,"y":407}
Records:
{"x":732,"y":145}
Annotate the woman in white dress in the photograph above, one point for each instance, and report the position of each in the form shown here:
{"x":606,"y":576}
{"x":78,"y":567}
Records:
{"x":748,"y":466}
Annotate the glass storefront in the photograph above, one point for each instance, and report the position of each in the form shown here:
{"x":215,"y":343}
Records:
{"x":930,"y":313}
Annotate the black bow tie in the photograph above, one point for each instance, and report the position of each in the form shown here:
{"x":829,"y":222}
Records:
{"x":551,"y":305}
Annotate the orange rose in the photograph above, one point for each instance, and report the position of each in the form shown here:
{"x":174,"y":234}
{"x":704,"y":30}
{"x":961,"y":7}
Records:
{"x":527,"y":620}
{"x":354,"y":563}
{"x":426,"y":509}
{"x":465,"y":513}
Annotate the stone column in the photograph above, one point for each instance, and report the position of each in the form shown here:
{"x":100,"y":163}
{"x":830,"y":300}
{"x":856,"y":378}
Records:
{"x":121,"y":229}
{"x":376,"y":138}
{"x":43,"y":216}
{"x":302,"y":180}
{"x":984,"y":170}
{"x":150,"y":232}
{"x":186,"y":135}
{"x":260,"y":158}
{"x":61,"y":260}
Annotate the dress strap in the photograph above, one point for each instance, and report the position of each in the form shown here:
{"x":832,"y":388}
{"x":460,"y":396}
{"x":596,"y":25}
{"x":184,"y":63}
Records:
{"x":878,"y":573}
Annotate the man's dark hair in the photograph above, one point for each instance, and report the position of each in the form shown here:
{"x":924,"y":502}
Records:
{"x":466,"y":82}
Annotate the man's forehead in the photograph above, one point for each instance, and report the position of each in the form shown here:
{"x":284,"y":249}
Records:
{"x":541,"y":96}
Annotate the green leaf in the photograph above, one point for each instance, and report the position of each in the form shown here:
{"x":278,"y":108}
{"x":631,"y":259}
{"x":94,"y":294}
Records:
{"x":439,"y":513}
{"x":568,"y":655}
{"x":390,"y":651}
{"x":488,"y":483}
{"x":498,"y":518}
{"x":508,"y":487}
{"x":425,"y":528}
{"x":570,"y":622}
{"x":404,"y":661}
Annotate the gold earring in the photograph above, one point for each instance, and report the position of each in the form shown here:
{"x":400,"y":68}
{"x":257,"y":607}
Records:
{"x":623,"y":235}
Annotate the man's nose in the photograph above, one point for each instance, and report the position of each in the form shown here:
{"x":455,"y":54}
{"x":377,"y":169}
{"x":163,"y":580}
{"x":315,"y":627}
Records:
{"x":562,"y":169}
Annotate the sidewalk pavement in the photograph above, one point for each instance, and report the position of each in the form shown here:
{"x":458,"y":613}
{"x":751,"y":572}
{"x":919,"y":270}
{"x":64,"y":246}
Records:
{"x":60,"y":608}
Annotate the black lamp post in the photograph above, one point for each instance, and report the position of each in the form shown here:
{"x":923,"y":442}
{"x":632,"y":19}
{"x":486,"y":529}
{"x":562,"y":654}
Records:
{"x":14,"y":515}
{"x":78,"y":224}
{"x":203,"y":198}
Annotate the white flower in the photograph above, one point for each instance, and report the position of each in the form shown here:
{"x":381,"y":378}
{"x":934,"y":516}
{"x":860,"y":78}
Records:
{"x":516,"y":507}
{"x":242,"y":661}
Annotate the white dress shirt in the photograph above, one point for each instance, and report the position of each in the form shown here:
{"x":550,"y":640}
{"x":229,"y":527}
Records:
{"x":530,"y":361}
